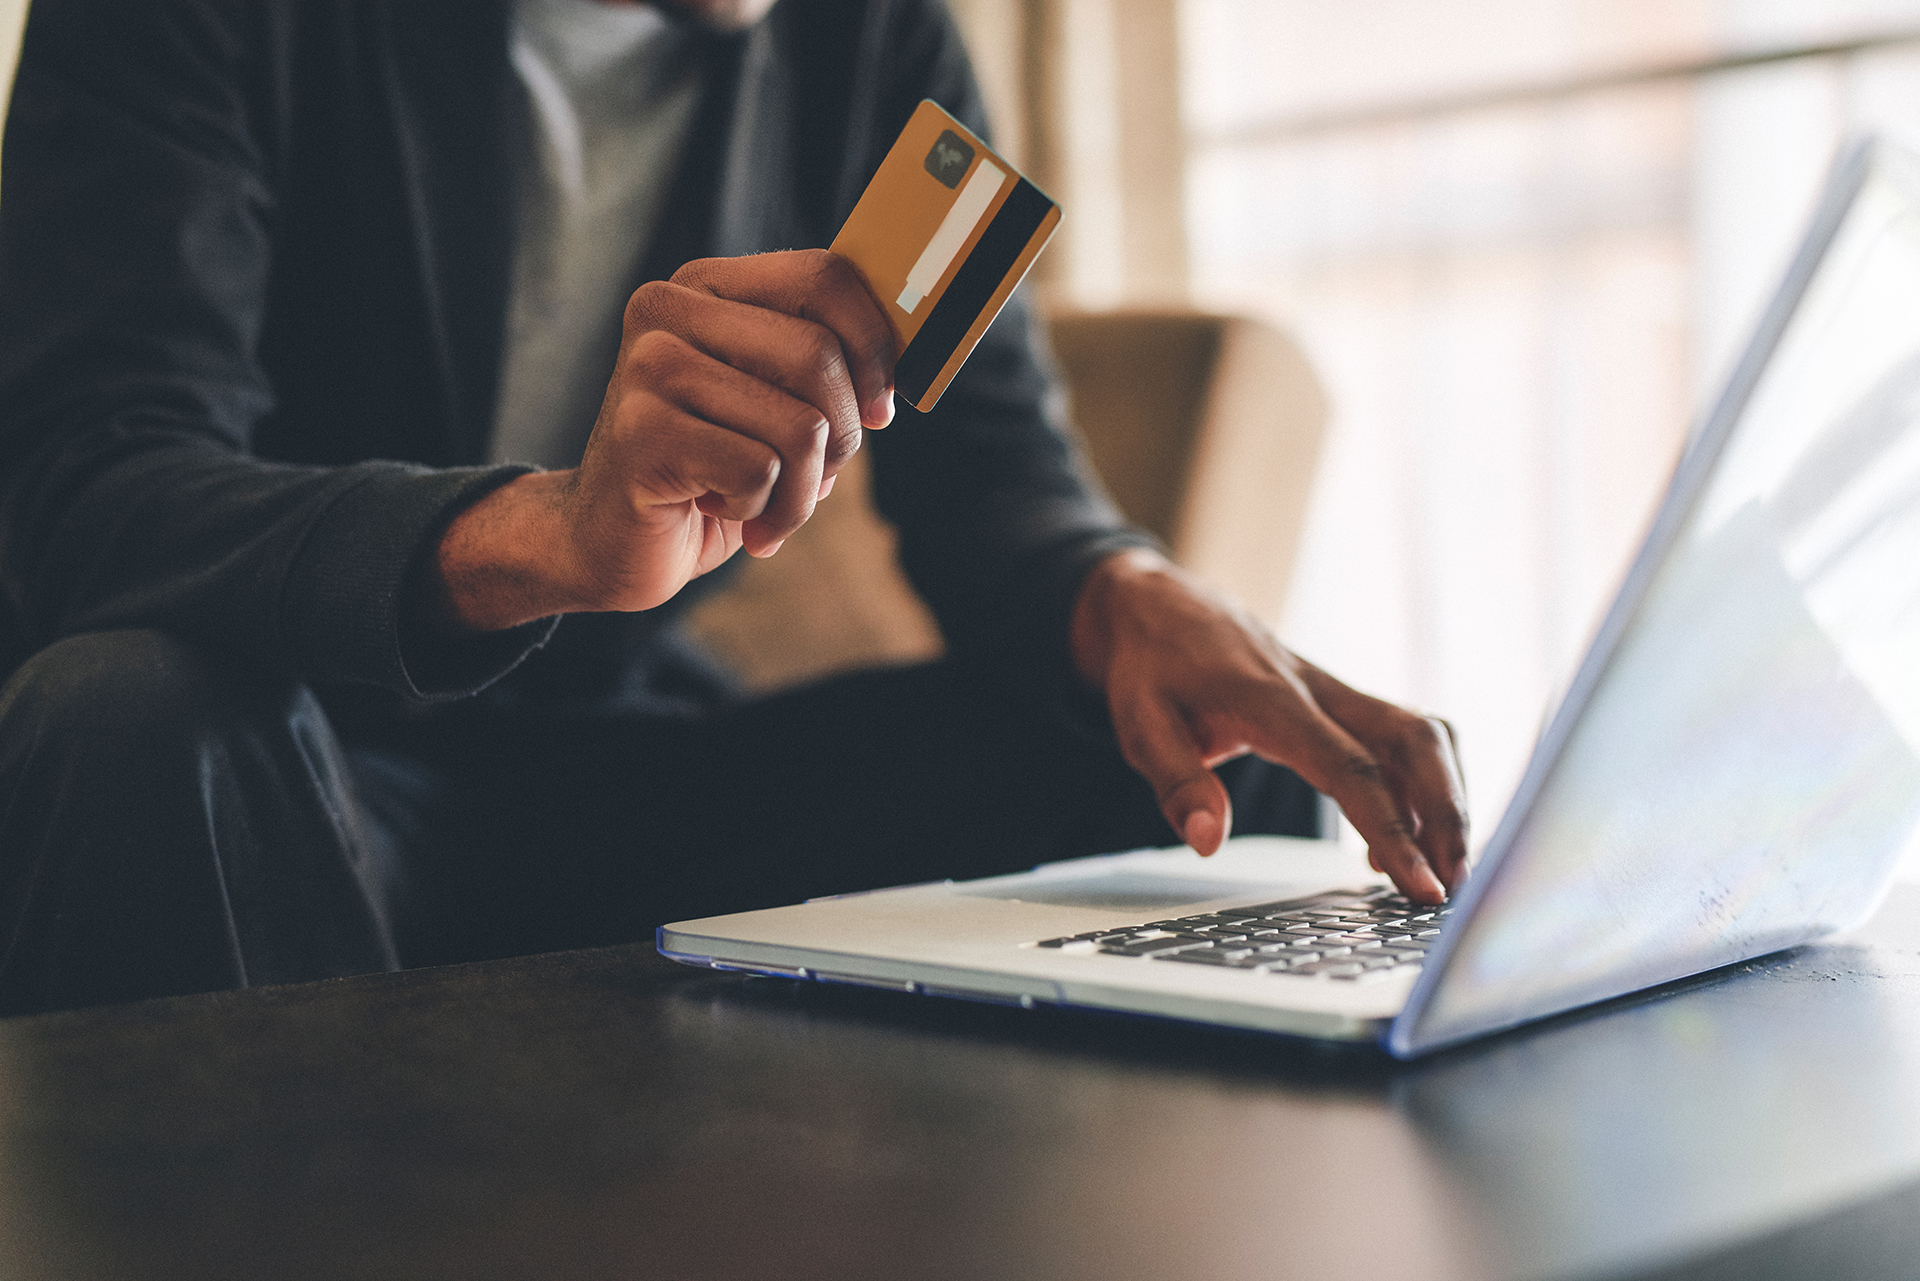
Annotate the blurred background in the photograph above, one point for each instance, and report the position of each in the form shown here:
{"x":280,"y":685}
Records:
{"x":1520,"y":241}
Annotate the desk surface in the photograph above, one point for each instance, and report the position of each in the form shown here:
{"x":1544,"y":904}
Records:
{"x":607,"y":1114}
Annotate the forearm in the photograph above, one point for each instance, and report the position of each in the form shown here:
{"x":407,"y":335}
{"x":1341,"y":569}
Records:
{"x":305,"y":570}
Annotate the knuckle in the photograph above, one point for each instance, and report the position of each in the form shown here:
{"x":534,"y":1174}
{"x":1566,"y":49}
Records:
{"x":1413,"y":737}
{"x":1165,"y":794}
{"x":1423,"y":733}
{"x":782,"y":518}
{"x":1398,"y":845}
{"x":821,"y":351}
{"x":842,"y":446}
{"x":800,"y":433}
{"x":823,"y":268}
{"x":760,"y":470}
{"x":637,"y":406}
{"x":670,"y":474}
{"x":658,"y":352}
{"x":629,"y":418}
{"x":1363,"y":768}
{"x":1135,"y":743}
{"x":647,"y":304}
{"x":812,"y":433}
{"x":691,"y":274}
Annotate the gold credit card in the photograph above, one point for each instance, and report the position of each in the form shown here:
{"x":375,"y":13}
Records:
{"x":942,"y":234}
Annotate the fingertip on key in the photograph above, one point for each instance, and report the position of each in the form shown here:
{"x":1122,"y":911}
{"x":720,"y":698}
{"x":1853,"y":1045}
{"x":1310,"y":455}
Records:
{"x":1429,"y":884}
{"x":1202,"y":832}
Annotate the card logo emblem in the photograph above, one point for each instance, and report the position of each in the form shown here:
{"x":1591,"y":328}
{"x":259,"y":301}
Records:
{"x":949,"y":159}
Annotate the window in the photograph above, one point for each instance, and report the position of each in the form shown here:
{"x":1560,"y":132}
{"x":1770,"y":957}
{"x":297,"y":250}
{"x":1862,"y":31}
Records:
{"x":1522,"y":241}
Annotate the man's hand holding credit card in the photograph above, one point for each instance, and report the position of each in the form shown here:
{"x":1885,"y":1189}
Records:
{"x":743,"y":384}
{"x":942,"y":235}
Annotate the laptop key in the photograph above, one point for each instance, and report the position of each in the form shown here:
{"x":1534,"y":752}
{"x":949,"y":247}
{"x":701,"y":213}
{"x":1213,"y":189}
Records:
{"x":1366,"y":972}
{"x":1146,"y":947}
{"x":1370,"y":922}
{"x":1203,"y":956}
{"x":1329,"y":968}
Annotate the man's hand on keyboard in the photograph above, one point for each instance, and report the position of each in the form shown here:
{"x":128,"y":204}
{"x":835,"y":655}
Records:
{"x":1192,"y":681}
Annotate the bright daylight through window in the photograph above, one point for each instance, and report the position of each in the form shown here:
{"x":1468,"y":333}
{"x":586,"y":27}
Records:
{"x":1522,"y":241}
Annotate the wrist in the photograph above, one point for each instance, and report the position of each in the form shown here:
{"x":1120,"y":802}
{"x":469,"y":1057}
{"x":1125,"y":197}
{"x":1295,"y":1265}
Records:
{"x":508,"y":559}
{"x":1096,"y":608}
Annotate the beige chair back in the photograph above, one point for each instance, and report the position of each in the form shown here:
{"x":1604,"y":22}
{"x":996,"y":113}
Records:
{"x":1205,"y":428}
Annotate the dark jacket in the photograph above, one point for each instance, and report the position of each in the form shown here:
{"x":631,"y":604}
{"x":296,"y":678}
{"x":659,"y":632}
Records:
{"x":253,"y":269}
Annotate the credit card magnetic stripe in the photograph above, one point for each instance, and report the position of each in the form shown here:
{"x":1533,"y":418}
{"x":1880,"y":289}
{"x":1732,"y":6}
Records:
{"x":981,"y":188}
{"x":973,"y":286}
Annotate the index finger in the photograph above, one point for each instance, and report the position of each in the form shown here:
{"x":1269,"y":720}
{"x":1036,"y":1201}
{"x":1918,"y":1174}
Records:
{"x":1440,"y":797}
{"x":823,"y":287}
{"x":1337,"y":764}
{"x":1421,"y":762}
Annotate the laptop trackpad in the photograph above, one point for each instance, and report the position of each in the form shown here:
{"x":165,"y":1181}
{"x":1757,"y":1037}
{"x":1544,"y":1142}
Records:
{"x":1115,"y":890}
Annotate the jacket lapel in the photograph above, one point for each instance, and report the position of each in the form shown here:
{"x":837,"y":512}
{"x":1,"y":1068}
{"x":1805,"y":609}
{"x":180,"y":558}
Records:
{"x":754,"y":210}
{"x":448,"y":82}
{"x":733,"y":192}
{"x":446,"y":77}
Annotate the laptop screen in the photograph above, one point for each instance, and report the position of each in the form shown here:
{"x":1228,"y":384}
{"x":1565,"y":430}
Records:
{"x":1737,"y":767}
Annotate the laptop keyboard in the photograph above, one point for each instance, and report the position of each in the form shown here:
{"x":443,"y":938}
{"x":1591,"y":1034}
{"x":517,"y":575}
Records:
{"x":1343,"y":934}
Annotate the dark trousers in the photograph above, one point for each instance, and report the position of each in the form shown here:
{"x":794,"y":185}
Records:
{"x":176,"y":823}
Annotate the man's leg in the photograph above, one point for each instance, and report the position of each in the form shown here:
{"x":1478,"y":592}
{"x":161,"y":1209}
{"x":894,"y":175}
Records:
{"x":581,"y":833}
{"x":893,"y":777}
{"x":171,"y":822}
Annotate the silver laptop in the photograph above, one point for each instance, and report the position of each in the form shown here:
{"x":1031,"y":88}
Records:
{"x":1732,"y":771}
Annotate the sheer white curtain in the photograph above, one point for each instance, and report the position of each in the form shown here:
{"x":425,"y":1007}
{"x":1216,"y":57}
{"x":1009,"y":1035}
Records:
{"x":1521,"y":242}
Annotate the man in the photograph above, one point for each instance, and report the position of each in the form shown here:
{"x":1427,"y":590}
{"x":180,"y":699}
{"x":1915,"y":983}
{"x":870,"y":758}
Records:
{"x":288,"y":694}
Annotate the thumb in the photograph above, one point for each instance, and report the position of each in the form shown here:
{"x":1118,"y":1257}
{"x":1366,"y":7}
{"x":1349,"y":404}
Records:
{"x":1158,"y":743}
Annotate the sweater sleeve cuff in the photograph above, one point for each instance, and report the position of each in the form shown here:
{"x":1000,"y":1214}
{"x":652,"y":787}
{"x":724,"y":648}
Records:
{"x":353,"y":608}
{"x":1049,"y":672}
{"x":1055,"y":591}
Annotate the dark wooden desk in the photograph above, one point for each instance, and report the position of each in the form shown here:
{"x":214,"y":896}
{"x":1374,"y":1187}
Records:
{"x":607,"y":1114}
